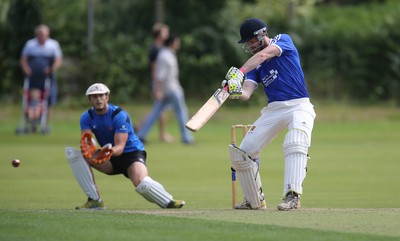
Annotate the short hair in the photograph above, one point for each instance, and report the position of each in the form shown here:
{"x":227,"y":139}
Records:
{"x":42,"y":26}
{"x":171,"y":38}
{"x":157,"y":27}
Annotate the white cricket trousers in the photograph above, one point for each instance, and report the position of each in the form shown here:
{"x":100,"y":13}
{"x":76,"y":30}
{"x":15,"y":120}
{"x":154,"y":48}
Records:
{"x":277,"y":116}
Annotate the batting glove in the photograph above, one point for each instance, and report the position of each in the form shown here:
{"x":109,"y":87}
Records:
{"x":87,"y":145}
{"x":102,"y":155}
{"x":235,"y":78}
{"x":235,"y":74}
{"x":234,"y":89}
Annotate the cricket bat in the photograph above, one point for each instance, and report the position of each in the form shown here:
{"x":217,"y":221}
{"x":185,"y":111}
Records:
{"x":208,"y":109}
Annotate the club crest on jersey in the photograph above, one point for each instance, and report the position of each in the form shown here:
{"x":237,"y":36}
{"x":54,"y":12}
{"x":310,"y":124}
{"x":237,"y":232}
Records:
{"x":275,"y":39}
{"x":269,"y":78}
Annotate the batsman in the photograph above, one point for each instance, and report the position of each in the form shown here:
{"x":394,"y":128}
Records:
{"x":274,"y":64}
{"x":122,"y":152}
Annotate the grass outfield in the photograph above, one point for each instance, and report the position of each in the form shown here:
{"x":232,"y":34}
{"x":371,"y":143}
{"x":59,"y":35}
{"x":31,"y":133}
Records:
{"x":350,"y":193}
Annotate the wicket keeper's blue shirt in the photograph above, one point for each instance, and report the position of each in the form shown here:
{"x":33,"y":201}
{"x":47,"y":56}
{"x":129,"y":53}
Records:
{"x":282,"y":76}
{"x":105,"y":126}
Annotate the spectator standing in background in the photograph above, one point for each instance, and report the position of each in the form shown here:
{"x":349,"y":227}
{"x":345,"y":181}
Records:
{"x":160,"y":33}
{"x":168,"y":91}
{"x":41,"y":57}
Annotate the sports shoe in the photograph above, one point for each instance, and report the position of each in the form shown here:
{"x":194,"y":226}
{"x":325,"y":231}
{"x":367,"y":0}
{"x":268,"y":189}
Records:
{"x":176,"y":204}
{"x":291,"y":201}
{"x":246,"y":205}
{"x":92,"y":205}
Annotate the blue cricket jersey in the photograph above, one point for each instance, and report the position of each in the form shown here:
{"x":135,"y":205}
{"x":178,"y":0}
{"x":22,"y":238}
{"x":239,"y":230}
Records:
{"x":105,"y":126}
{"x":282,"y":76}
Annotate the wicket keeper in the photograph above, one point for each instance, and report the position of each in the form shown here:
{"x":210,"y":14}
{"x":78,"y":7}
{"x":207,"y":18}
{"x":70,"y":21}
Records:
{"x":275,"y":64}
{"x":122,"y":152}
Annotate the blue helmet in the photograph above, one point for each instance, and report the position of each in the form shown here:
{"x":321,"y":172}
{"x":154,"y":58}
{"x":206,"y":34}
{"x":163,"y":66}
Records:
{"x":251,"y":28}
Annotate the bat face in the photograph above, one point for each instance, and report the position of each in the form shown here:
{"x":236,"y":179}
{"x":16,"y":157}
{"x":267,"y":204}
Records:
{"x":207,"y":110}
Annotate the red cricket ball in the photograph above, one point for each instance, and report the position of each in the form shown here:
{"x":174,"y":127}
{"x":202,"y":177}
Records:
{"x":16,"y":163}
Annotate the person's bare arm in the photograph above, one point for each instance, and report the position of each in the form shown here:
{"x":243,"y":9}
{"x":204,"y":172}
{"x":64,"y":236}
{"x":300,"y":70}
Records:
{"x":158,"y":90}
{"x":247,"y":90}
{"x":56,"y":65}
{"x":120,"y":141}
{"x":257,"y":59}
{"x":25,"y":66}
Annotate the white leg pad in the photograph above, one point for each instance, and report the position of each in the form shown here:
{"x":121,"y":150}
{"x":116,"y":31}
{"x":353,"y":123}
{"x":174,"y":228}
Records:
{"x":154,"y":192}
{"x":247,"y":172}
{"x":82,"y":172}
{"x":295,"y":149}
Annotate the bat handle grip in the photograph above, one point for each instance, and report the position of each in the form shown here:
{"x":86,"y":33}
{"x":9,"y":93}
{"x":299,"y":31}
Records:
{"x":233,"y":171}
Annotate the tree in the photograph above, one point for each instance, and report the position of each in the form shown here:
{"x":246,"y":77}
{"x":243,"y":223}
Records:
{"x":22,"y":17}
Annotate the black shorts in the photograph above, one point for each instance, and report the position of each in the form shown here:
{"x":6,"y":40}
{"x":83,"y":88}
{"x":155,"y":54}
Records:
{"x":121,"y":163}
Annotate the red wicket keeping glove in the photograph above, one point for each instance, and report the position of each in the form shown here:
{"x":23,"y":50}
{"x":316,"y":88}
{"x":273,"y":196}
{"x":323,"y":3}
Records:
{"x":102,"y":155}
{"x":87,"y":145}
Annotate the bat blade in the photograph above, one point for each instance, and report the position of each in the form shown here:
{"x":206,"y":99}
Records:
{"x":207,"y":110}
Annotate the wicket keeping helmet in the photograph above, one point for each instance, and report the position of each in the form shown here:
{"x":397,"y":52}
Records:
{"x":97,"y":88}
{"x":251,"y":28}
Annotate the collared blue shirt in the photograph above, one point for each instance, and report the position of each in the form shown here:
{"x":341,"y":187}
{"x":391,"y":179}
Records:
{"x":282,"y":76}
{"x":104,"y":127}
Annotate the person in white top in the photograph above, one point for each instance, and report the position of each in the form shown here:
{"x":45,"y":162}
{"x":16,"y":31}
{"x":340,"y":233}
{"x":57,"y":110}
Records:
{"x":160,"y":33}
{"x":168,"y":91}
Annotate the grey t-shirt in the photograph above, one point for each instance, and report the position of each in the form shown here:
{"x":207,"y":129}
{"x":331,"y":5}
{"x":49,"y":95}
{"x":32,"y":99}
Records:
{"x":168,"y":71}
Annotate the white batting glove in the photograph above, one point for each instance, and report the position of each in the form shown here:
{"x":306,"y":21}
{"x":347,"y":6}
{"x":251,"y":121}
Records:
{"x":235,"y":78}
{"x":235,"y":74}
{"x":234,"y":89}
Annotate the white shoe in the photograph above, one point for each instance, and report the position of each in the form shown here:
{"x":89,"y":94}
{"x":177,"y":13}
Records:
{"x":291,"y":201}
